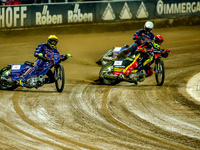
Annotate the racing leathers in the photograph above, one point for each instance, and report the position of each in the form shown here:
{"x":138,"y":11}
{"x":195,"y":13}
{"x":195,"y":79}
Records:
{"x":147,"y":58}
{"x":141,"y":36}
{"x":42,"y":63}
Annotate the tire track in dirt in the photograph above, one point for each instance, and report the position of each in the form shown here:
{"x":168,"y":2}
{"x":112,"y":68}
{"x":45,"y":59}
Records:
{"x":21,"y":113}
{"x":86,"y":105}
{"x":29,"y":135}
{"x":123,"y":126}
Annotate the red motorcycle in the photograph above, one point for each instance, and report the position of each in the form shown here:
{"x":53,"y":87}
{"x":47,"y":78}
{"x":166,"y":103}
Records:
{"x":109,"y":73}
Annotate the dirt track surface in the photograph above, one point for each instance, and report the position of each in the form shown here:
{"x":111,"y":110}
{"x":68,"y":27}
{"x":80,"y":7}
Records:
{"x":90,"y":116}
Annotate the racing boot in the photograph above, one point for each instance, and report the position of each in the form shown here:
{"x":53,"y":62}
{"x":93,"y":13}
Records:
{"x":49,"y":80}
{"x":132,"y":78}
{"x":141,"y":78}
{"x":21,"y":82}
{"x":142,"y":75}
{"x":149,"y":72}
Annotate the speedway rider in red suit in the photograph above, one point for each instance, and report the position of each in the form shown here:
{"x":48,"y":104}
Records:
{"x":42,"y":60}
{"x":140,"y":36}
{"x":148,"y":58}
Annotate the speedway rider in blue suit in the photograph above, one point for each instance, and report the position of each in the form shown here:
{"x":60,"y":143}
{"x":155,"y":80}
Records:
{"x":42,"y":60}
{"x":141,"y":35}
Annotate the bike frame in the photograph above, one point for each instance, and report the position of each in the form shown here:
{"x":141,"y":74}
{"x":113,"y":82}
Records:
{"x":18,"y":69}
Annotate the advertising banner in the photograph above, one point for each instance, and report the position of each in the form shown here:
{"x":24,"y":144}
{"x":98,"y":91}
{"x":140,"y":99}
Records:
{"x":177,"y":8}
{"x":81,"y":13}
{"x":120,"y":11}
{"x":47,"y":14}
{"x":63,"y":13}
{"x":95,"y":12}
{"x":16,"y":16}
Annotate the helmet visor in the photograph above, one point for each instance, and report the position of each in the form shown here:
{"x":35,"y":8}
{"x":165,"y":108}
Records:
{"x":148,"y":29}
{"x":159,"y":42}
{"x":53,"y":42}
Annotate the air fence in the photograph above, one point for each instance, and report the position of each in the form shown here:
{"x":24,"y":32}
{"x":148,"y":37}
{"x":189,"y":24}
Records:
{"x":20,"y":16}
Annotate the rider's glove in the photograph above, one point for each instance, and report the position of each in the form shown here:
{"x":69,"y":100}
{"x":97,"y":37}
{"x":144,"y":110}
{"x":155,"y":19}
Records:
{"x":67,"y":56}
{"x":165,"y":53}
{"x":136,"y":37}
{"x":142,"y":50}
{"x":168,"y":51}
{"x":41,"y":55}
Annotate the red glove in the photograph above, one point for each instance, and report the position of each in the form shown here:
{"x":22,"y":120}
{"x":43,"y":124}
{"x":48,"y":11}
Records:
{"x":136,"y":37}
{"x":168,"y":51}
{"x":143,"y":50}
{"x":139,"y":48}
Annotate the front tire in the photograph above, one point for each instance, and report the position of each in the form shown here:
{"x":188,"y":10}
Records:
{"x":4,"y":74}
{"x":104,"y":70}
{"x":59,"y":75}
{"x":159,"y":72}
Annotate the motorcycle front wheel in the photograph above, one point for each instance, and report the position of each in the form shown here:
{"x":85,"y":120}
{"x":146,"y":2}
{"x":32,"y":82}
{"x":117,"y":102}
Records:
{"x":106,"y":70}
{"x":59,"y":75}
{"x":159,"y":72}
{"x":5,"y":73}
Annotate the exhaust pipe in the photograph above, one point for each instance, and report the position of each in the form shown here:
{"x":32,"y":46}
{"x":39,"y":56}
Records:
{"x":8,"y":81}
{"x":111,"y":76}
{"x":107,"y":58}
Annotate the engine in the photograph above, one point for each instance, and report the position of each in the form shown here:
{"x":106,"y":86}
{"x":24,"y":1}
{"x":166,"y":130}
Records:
{"x":138,"y":76}
{"x":35,"y":81}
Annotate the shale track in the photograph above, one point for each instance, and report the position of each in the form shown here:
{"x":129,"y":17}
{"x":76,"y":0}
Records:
{"x":90,"y":116}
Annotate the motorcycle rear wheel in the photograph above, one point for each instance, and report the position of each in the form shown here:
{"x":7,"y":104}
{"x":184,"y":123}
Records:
{"x":5,"y":86}
{"x":104,"y":71}
{"x":159,"y":72}
{"x":59,"y":75}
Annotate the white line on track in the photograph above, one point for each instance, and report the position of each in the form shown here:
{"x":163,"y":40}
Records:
{"x":193,"y":87}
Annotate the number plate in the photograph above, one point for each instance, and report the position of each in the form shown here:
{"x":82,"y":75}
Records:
{"x":16,"y":67}
{"x":118,"y":63}
{"x":117,"y":49}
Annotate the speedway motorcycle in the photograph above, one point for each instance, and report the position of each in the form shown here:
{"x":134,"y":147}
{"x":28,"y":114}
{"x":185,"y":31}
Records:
{"x":109,"y":73}
{"x":10,"y":74}
{"x":112,"y":53}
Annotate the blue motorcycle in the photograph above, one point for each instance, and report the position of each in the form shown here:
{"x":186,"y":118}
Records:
{"x":10,"y":74}
{"x":111,"y":53}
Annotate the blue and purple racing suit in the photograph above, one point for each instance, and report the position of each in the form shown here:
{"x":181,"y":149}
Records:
{"x":41,"y":64}
{"x":140,"y":34}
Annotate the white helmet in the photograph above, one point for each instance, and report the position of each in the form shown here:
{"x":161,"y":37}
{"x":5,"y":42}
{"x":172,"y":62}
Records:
{"x":148,"y":26}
